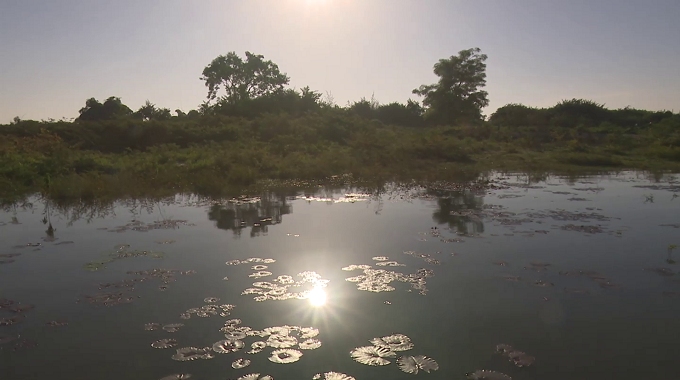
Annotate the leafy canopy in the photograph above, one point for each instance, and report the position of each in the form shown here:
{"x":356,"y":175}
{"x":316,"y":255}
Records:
{"x":457,"y":96}
{"x":242,"y":79}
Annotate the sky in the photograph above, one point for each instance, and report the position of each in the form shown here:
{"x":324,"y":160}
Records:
{"x":55,"y":54}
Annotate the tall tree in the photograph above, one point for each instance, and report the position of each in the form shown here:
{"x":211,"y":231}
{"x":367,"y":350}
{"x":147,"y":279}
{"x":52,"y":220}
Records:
{"x":242,"y":79}
{"x":111,"y":109}
{"x":457,"y":96}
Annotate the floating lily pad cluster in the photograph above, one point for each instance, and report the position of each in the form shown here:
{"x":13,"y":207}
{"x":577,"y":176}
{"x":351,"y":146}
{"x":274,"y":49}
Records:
{"x":121,"y":251}
{"x":425,"y":256}
{"x":283,"y":287}
{"x":378,"y":280}
{"x":519,"y":358}
{"x":209,"y":310}
{"x":386,"y":348}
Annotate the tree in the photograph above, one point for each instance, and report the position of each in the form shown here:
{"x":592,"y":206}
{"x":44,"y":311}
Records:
{"x":111,"y":109}
{"x":242,"y":80}
{"x":457,"y":96}
{"x":149,"y":111}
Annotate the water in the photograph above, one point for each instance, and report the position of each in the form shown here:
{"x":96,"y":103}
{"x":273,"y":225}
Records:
{"x":615,"y":320}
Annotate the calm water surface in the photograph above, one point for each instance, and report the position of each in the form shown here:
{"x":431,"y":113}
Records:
{"x":584,"y":282}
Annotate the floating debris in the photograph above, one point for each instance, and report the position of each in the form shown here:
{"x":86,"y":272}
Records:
{"x":240,"y":363}
{"x":285,"y":356}
{"x":211,"y":299}
{"x":411,"y":364}
{"x":372,"y":355}
{"x":309,"y":344}
{"x":501,"y":263}
{"x":226,"y":346}
{"x":164,"y":343}
{"x":172,"y":327}
{"x":483,"y":374}
{"x":395,"y":342}
{"x":192,"y":353}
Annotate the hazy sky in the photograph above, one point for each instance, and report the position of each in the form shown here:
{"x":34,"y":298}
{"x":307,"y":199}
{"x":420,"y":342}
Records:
{"x":54,"y":54}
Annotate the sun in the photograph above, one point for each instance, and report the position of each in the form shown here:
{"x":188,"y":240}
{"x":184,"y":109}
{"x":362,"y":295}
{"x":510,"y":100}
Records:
{"x":317,"y":297}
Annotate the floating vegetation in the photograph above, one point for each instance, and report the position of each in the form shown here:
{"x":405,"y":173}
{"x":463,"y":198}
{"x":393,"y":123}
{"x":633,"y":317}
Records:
{"x":411,"y":364}
{"x":165,"y":241}
{"x":164,"y":343}
{"x":372,"y":355}
{"x":259,"y":274}
{"x":378,"y":280}
{"x":519,"y":358}
{"x":255,"y":376}
{"x":583,"y":228}
{"x":172,"y":327}
{"x":251,"y":260}
{"x":426,"y":257}
{"x":121,"y":251}
{"x":192,"y":353}
{"x":139,"y":226}
{"x":352,"y":267}
{"x":20,"y":308}
{"x":380,"y":258}
{"x":226,"y":346}
{"x":281,"y":341}
{"x":152,"y":326}
{"x":661,"y":271}
{"x":285,"y":356}
{"x":335,"y":376}
{"x":234,"y":335}
{"x":483,"y":374}
{"x":240,"y":363}
{"x":211,"y":299}
{"x":390,"y":264}
{"x":11,"y":320}
{"x":257,"y":347}
{"x":511,"y":278}
{"x":57,"y":323}
{"x":395,"y":342}
{"x":178,"y":376}
{"x":280,"y":290}
{"x":309,"y":344}
{"x":108,"y":299}
{"x":259,"y":267}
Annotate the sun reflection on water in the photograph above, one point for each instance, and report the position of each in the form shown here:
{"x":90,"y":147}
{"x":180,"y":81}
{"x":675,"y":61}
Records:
{"x":317,"y":297}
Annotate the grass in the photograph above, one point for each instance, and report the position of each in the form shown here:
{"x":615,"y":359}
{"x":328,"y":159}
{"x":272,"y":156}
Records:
{"x":221,"y":154}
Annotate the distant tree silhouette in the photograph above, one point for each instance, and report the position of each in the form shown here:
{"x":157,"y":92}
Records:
{"x":242,"y":79}
{"x":457,"y":96}
{"x":149,"y":111}
{"x":111,"y":109}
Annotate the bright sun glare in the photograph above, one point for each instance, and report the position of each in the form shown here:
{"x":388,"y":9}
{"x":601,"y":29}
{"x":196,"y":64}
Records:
{"x":317,"y":297}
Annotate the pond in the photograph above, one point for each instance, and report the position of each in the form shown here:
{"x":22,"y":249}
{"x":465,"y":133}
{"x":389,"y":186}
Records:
{"x":495,"y":279}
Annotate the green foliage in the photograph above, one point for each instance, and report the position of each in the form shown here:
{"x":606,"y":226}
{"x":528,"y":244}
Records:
{"x":457,"y":97}
{"x":111,"y":109}
{"x":242,"y":79}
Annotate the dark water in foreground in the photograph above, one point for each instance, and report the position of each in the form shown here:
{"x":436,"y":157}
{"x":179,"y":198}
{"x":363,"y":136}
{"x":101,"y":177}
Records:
{"x":584,"y":282}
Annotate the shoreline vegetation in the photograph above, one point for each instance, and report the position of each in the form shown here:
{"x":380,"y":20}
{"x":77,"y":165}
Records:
{"x":259,"y":131}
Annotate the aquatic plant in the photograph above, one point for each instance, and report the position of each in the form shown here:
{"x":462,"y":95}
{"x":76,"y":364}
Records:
{"x":255,"y":376}
{"x":226,"y":346}
{"x":336,"y":376}
{"x":411,"y":364}
{"x":164,"y":343}
{"x":179,"y":376}
{"x":211,"y":299}
{"x":152,"y":326}
{"x":172,"y":327}
{"x":483,"y":374}
{"x":192,"y":353}
{"x":259,"y":274}
{"x":372,"y":355}
{"x":521,"y":359}
{"x":234,"y":335}
{"x":308,"y":332}
{"x":259,"y":267}
{"x":380,"y":258}
{"x":240,"y":363}
{"x":285,"y":356}
{"x":281,"y":341}
{"x":395,"y":342}
{"x":57,"y":323}
{"x":309,"y":344}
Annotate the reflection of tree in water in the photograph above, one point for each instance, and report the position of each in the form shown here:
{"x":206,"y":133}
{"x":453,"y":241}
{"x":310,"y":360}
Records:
{"x":257,"y":215}
{"x":458,"y":202}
